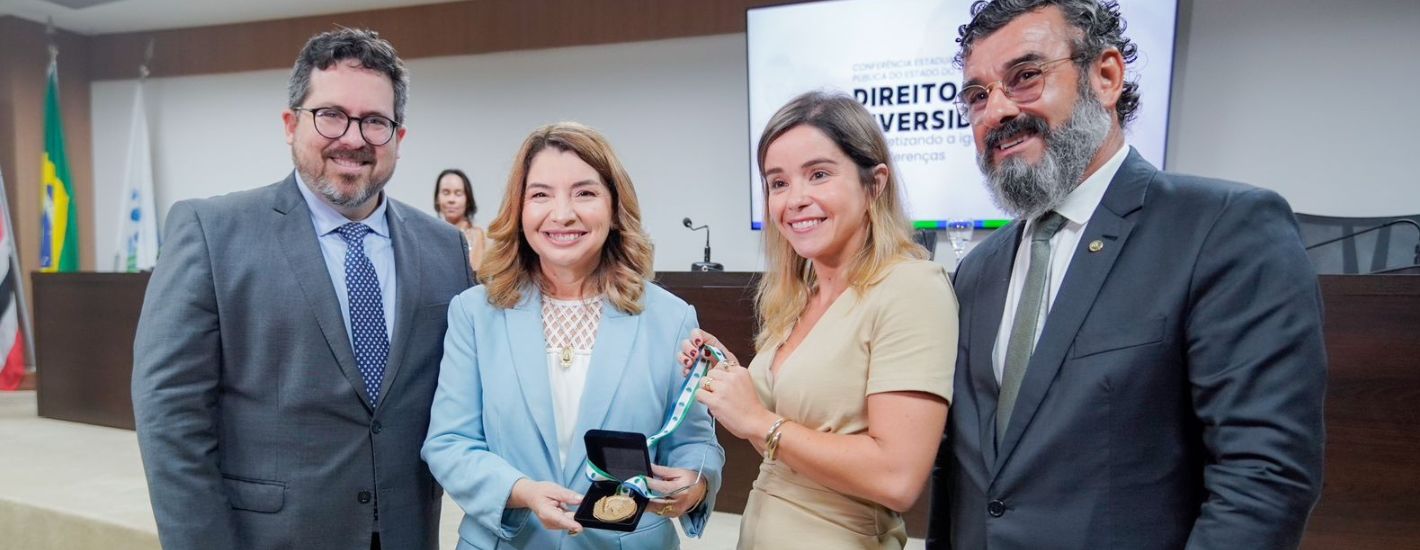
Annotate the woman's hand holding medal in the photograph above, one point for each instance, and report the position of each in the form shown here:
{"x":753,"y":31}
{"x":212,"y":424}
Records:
{"x":727,"y":389}
{"x":684,"y":490}
{"x":553,"y":504}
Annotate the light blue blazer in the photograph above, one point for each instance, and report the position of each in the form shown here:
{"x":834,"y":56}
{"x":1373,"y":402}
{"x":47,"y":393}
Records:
{"x":492,"y":420}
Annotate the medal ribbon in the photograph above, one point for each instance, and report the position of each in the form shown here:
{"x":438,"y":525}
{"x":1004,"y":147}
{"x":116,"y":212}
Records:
{"x":683,"y":403}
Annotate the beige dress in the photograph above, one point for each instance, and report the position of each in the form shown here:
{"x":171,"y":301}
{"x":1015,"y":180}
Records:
{"x":899,"y":335}
{"x":475,"y":237}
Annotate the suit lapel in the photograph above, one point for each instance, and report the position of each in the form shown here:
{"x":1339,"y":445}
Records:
{"x":615,"y":336}
{"x":408,"y":278}
{"x":985,"y":322}
{"x":1088,"y":270}
{"x":529,"y":349}
{"x":296,"y":237}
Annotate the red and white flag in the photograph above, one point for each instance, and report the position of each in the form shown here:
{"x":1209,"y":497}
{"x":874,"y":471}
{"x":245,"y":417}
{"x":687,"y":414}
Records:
{"x":12,"y":340}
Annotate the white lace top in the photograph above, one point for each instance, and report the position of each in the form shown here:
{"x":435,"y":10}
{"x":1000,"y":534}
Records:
{"x":570,"y":328}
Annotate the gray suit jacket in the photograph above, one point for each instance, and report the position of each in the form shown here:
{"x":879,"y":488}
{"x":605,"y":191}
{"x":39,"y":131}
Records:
{"x":254,"y":423}
{"x":1174,"y":399}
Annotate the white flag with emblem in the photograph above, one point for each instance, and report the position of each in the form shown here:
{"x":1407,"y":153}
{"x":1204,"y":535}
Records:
{"x":138,"y":219}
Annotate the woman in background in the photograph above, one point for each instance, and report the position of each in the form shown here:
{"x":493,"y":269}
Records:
{"x":847,"y":395}
{"x":565,"y":335}
{"x":453,"y":201}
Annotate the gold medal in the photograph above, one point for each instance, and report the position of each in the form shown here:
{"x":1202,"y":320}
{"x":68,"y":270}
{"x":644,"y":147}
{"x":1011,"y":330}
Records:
{"x":614,"y":508}
{"x":566,"y":357}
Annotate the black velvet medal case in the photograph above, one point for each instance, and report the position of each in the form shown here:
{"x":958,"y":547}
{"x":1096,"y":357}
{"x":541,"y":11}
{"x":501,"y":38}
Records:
{"x":623,"y":455}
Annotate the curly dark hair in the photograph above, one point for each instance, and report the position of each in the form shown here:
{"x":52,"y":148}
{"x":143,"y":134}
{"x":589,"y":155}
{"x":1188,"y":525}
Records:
{"x":365,"y":46}
{"x":1101,"y":27}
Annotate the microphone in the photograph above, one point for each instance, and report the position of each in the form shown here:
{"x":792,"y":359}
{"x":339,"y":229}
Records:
{"x":1354,"y":234}
{"x":706,"y":265}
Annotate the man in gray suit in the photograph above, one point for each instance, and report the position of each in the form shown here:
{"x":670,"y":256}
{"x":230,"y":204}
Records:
{"x":290,"y":339}
{"x":1141,"y":363}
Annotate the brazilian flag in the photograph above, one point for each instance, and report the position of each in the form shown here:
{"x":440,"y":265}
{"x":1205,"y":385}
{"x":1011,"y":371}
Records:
{"x":59,"y":232}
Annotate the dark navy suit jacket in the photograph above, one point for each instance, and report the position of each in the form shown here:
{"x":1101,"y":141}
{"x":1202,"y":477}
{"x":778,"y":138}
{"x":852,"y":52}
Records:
{"x":1174,"y":399}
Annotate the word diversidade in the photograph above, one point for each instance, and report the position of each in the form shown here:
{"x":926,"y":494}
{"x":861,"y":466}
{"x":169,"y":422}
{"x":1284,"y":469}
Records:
{"x":945,"y":117}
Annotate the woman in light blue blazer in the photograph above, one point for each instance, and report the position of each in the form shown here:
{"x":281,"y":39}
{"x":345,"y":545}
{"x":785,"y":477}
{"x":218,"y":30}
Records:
{"x":565,"y":335}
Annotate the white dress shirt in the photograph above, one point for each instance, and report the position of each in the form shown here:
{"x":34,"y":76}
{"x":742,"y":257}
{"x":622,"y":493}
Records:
{"x":1077,"y":208}
{"x":377,"y":244}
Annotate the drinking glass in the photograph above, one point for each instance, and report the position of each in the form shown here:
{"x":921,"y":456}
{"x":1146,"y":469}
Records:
{"x":959,"y":234}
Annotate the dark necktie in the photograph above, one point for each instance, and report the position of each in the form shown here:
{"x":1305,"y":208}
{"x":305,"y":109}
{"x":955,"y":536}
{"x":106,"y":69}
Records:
{"x":1023,"y":336}
{"x":367,"y":310}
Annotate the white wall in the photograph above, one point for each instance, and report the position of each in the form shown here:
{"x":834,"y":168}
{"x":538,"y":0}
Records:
{"x":674,"y":110}
{"x":1311,"y":98}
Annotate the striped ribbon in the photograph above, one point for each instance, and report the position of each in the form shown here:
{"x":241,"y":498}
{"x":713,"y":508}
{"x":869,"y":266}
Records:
{"x":683,"y":403}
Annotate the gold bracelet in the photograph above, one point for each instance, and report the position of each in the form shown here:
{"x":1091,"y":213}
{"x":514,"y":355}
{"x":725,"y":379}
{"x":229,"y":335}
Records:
{"x":773,"y":428}
{"x":771,"y":440}
{"x":773,"y":446}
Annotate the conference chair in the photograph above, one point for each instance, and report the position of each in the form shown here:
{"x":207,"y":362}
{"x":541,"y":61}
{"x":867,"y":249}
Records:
{"x":1346,"y":245}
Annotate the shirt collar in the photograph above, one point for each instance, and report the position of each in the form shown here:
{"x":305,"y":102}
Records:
{"x":328,"y":220}
{"x":1080,"y":204}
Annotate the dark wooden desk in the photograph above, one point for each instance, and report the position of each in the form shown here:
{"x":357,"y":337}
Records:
{"x":84,"y":328}
{"x":84,"y":348}
{"x":1371,"y":495}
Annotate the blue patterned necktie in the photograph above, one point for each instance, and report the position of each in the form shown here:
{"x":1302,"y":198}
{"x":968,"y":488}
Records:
{"x":367,"y":310}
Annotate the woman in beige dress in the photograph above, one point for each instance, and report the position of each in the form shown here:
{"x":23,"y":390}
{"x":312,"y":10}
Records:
{"x":847,"y":395}
{"x":453,"y":200}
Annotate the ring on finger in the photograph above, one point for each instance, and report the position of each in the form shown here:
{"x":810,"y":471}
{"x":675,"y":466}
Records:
{"x":706,"y":385}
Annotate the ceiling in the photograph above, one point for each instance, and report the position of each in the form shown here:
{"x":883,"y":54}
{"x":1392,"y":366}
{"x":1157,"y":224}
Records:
{"x":147,"y":15}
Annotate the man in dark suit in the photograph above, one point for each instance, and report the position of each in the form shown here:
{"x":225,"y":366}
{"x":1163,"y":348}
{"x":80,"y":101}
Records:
{"x":1141,"y":360}
{"x":290,"y":340}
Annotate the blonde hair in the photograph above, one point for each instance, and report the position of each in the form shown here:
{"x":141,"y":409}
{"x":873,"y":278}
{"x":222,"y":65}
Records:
{"x":511,"y":265}
{"x":789,"y":279}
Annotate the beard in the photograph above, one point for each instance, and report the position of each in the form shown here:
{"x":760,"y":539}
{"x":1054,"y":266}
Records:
{"x":333,"y":188}
{"x":1028,"y":190}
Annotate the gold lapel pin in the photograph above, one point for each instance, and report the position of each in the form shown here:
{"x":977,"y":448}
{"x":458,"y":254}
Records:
{"x":1096,"y":245}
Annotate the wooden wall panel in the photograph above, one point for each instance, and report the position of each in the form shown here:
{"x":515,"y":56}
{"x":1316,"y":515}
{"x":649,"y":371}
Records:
{"x":457,"y":28}
{"x":24,"y":60}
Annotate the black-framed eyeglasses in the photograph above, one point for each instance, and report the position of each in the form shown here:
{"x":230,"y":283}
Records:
{"x":332,"y":123}
{"x":1022,"y":83}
